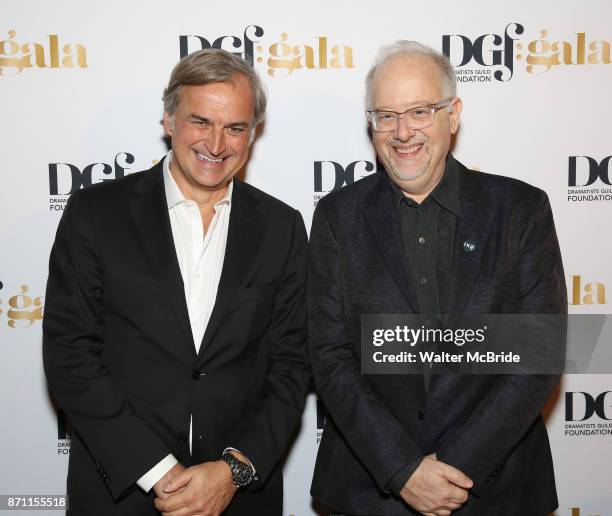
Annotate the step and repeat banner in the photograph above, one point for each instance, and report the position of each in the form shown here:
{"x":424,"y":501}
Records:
{"x":81,"y":86}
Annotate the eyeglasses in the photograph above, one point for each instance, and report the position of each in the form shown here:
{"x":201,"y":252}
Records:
{"x":419,"y":117}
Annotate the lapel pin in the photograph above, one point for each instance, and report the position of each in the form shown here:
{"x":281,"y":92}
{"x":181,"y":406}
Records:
{"x":469,"y":246}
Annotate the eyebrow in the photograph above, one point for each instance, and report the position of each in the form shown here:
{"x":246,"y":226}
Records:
{"x":198,"y":118}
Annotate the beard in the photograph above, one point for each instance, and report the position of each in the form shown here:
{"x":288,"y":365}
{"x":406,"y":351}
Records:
{"x":413,"y":169}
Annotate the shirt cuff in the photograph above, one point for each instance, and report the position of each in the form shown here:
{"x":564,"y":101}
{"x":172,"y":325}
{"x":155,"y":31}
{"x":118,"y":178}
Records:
{"x":229,"y":448}
{"x":155,"y":474}
{"x":398,"y":481}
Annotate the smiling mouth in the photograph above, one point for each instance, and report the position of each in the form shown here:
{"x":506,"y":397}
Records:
{"x":206,"y":159}
{"x":410,"y":151}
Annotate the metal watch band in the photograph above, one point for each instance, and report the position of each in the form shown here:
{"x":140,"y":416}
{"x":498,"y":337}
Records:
{"x":242,"y":474}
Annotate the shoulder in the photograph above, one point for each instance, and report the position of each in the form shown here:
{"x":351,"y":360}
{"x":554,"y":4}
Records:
{"x":499,"y":191}
{"x":496,"y":183}
{"x":353,"y":194}
{"x":114,"y":196}
{"x":281,"y":224}
{"x":117,"y":189}
{"x":244,"y":192}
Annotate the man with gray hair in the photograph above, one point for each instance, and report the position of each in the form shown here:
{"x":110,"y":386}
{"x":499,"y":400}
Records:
{"x":428,"y":236}
{"x":174,"y":332}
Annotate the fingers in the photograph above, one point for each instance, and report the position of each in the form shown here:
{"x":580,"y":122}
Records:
{"x":177,"y":481}
{"x":173,"y":504}
{"x":186,"y":512}
{"x":454,"y":476}
{"x":451,"y":506}
{"x":181,"y":512}
{"x":170,"y":474}
{"x":436,"y":488}
{"x":451,"y":500}
{"x":457,"y":495}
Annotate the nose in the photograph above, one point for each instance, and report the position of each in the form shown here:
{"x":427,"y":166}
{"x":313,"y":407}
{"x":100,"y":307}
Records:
{"x":215,"y":143}
{"x":403,"y":132}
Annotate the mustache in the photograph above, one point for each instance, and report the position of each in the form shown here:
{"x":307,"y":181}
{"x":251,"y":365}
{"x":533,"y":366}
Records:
{"x":400,"y":143}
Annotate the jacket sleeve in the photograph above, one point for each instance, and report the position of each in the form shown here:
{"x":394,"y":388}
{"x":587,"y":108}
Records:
{"x":370,"y":429}
{"x":121,"y":444}
{"x":265,"y":434}
{"x":481,"y":445}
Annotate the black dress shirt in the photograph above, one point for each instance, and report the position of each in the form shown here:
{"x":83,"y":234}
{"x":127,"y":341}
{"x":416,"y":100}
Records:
{"x":428,"y":235}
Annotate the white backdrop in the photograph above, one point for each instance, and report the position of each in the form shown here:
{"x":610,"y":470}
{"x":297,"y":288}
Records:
{"x":80,"y":85}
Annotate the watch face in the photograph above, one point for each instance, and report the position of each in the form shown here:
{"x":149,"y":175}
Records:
{"x":243,"y":474}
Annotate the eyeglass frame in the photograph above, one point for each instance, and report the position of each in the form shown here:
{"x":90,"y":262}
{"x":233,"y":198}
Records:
{"x":432,"y":107}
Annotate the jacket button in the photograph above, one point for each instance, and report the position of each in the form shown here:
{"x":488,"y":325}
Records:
{"x":421,"y":414}
{"x":196,"y":374}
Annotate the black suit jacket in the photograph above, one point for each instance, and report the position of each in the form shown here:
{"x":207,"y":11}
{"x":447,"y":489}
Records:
{"x":487,"y":426}
{"x":120,"y":358}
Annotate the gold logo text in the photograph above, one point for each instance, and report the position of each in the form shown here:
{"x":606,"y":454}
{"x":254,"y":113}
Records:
{"x":14,"y":56}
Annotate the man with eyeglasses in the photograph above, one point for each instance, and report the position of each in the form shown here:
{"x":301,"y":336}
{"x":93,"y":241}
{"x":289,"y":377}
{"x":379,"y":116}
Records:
{"x":428,"y":237}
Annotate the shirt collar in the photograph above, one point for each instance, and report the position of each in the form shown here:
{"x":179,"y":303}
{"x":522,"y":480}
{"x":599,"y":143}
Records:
{"x":446,"y":192}
{"x":174,"y":195}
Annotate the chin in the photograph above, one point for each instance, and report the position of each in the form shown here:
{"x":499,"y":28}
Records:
{"x":213,"y":185}
{"x":408,"y":175}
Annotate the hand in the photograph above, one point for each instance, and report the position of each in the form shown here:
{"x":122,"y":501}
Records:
{"x":205,"y":490}
{"x":436,"y":488}
{"x":161,"y":484}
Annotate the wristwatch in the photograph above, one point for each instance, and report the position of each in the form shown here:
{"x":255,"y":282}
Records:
{"x":242,"y":474}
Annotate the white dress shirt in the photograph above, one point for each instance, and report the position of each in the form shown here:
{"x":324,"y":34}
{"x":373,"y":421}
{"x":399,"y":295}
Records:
{"x":200,"y":256}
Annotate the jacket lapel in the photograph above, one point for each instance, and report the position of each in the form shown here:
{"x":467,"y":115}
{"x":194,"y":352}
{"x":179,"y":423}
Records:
{"x":245,"y":226}
{"x":150,"y":212}
{"x":379,"y":211}
{"x":471,"y":238}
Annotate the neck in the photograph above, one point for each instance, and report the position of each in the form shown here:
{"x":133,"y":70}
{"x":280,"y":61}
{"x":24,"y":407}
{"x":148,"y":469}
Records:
{"x":418,"y":198}
{"x":420,"y":194}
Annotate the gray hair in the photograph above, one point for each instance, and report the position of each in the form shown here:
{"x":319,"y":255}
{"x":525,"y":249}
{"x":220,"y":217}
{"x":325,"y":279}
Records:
{"x":213,"y":65}
{"x":405,"y":48}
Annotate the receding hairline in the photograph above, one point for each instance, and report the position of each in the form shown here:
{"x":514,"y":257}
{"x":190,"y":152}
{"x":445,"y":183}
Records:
{"x":408,"y":59}
{"x":408,"y":50}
